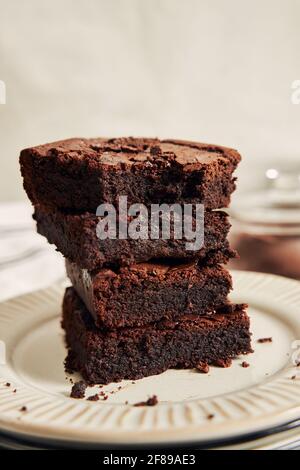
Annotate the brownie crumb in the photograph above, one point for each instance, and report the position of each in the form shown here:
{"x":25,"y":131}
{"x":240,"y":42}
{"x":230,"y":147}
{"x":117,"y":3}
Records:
{"x":78,"y":390}
{"x":210,"y":416}
{"x":294,"y":377}
{"x":93,"y":397}
{"x":223,"y":362}
{"x":126,"y":402}
{"x":245,"y":364}
{"x":7,"y":384}
{"x":15,"y":390}
{"x":265,"y":340}
{"x":23,"y":409}
{"x":152,"y":401}
{"x":203,"y":367}
{"x":103,"y":395}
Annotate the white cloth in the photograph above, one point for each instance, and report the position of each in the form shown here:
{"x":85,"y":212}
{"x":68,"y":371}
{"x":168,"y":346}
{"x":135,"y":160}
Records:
{"x":27,"y":261}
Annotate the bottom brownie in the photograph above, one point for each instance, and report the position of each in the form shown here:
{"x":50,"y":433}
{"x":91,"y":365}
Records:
{"x":132,"y":353}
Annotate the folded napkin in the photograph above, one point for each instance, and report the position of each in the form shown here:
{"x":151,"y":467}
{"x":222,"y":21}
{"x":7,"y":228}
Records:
{"x":27,"y":261}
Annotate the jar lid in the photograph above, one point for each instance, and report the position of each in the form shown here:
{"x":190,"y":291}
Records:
{"x":276,"y":206}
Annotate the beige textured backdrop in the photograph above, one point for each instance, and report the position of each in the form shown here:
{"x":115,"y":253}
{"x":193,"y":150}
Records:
{"x":211,"y":70}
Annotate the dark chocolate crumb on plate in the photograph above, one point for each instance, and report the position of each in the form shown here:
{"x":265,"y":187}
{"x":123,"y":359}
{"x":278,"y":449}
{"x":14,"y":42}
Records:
{"x":7,"y":384}
{"x":15,"y":390}
{"x":294,"y":377}
{"x":245,"y":364}
{"x":210,"y":416}
{"x":78,"y":390}
{"x":103,"y":395}
{"x":152,"y":401}
{"x":203,"y":367}
{"x":223,"y":362}
{"x":23,"y":409}
{"x":265,"y":340}
{"x":93,"y":397}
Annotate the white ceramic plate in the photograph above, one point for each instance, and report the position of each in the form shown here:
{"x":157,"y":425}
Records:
{"x":243,"y":401}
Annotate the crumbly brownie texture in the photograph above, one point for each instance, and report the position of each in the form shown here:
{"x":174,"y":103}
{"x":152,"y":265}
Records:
{"x":75,"y":236}
{"x":133,"y":353}
{"x":80,"y":174}
{"x":148,"y":292}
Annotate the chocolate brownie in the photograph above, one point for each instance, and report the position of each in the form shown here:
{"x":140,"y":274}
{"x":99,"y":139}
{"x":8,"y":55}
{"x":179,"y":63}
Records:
{"x":80,"y":174}
{"x":148,"y":292}
{"x":76,"y":238}
{"x":133,"y":353}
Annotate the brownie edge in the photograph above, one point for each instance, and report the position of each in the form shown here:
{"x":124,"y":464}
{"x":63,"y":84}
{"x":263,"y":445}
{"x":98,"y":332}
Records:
{"x":134,"y":353}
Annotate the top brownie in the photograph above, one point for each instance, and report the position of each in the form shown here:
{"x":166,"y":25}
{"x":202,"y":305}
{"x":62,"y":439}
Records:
{"x":81,"y":174}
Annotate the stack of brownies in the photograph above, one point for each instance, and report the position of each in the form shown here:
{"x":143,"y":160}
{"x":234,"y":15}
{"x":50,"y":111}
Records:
{"x":139,"y":306}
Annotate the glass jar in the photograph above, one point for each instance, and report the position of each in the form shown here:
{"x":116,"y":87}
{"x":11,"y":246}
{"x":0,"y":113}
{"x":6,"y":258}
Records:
{"x":266,"y":224}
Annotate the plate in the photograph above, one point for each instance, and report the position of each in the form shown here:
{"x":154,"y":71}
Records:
{"x":204,"y":409}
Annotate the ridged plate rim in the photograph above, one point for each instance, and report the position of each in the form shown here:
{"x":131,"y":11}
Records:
{"x":272,"y":403}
